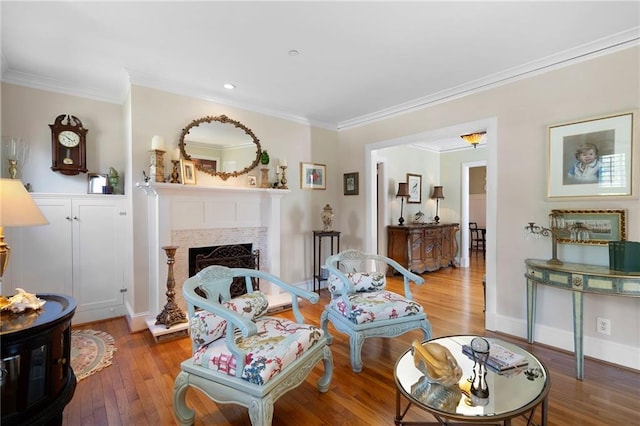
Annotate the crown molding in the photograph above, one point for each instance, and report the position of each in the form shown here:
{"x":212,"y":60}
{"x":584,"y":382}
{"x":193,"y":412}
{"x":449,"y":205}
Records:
{"x":601,"y":47}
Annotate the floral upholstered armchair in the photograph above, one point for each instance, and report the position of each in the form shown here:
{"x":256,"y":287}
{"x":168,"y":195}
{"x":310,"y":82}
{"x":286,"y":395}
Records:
{"x":361,"y":306}
{"x":241,"y":355}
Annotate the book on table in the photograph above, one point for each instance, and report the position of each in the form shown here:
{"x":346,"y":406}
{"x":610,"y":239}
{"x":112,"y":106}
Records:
{"x":500,"y":358}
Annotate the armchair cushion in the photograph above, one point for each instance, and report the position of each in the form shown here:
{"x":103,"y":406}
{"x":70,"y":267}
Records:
{"x":277,"y":343}
{"x":207,"y":327}
{"x":362,"y":281}
{"x":376,"y":306}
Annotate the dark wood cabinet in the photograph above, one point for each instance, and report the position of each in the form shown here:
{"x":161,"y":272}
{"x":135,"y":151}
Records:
{"x":37,"y":381}
{"x":423,"y":247}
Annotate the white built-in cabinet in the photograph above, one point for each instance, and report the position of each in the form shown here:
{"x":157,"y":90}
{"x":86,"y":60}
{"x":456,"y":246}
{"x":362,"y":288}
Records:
{"x":79,"y":253}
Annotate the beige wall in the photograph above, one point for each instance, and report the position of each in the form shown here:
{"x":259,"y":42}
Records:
{"x":120,"y":136}
{"x":27,"y":113}
{"x":517,"y":175}
{"x":156,"y":112}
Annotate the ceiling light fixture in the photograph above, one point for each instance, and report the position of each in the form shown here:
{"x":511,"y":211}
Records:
{"x":293,"y":52}
{"x":229,"y":86}
{"x":474,"y":138}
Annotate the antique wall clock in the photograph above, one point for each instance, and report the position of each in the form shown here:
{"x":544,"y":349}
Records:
{"x":68,"y":145}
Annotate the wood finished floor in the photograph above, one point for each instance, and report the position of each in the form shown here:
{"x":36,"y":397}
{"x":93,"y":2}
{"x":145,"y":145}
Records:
{"x":137,"y":389}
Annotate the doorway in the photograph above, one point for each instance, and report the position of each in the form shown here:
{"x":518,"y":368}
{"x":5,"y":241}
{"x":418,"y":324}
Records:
{"x":374,"y":224}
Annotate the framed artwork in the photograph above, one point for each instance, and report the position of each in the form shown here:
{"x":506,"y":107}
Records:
{"x":414,"y":183}
{"x":313,"y":176}
{"x":591,"y":158}
{"x":351,"y":183}
{"x":188,"y":172}
{"x":96,"y":182}
{"x":252,"y":180}
{"x":603,"y":226}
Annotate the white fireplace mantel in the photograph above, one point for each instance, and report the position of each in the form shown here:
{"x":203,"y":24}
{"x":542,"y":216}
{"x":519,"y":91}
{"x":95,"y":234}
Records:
{"x":175,"y":207}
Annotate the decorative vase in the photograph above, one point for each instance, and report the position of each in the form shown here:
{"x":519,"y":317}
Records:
{"x":327,"y":217}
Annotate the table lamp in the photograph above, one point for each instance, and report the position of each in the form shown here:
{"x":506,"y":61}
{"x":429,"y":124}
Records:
{"x":437,"y":195}
{"x":403,"y":191}
{"x":17,"y":208}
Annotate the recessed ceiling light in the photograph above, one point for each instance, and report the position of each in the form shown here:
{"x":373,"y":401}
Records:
{"x":293,"y":52}
{"x":229,"y":86}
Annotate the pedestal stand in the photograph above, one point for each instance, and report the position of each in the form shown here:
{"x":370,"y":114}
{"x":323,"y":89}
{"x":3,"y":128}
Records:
{"x":156,"y":168}
{"x":264,"y":178}
{"x":171,"y":314}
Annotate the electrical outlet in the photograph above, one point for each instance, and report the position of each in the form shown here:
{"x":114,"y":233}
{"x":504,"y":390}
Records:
{"x":603,"y":325}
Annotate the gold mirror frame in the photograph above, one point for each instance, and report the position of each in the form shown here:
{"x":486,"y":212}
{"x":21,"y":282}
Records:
{"x":225,"y":120}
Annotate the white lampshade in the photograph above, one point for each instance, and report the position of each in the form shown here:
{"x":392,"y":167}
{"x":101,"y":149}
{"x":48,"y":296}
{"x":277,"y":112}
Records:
{"x":17,"y":208}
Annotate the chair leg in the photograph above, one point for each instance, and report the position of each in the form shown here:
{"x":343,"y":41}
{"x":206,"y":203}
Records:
{"x":324,"y":321}
{"x":185,"y":415}
{"x":261,"y":411}
{"x":426,"y":329}
{"x":356,"y":341}
{"x":324,"y":381}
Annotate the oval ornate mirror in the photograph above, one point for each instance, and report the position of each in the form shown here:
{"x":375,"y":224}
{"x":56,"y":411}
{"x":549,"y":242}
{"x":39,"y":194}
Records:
{"x":220,"y":146}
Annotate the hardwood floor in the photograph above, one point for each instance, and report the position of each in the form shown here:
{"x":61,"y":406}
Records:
{"x":138,"y":388}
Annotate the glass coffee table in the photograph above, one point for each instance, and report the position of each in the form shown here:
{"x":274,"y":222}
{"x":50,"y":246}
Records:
{"x":512,"y":393}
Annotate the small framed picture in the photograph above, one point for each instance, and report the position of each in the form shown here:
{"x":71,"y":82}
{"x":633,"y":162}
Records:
{"x":602,"y":226}
{"x":188,"y":172}
{"x":414,"y":183}
{"x":252,"y":180}
{"x":313,"y":176}
{"x":592,"y":158}
{"x":96,"y":183}
{"x":351,"y":183}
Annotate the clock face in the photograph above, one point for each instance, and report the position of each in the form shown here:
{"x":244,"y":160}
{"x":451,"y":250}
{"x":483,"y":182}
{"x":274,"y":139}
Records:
{"x":68,"y":138}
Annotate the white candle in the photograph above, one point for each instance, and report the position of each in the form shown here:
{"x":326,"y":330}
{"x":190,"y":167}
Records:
{"x":176,"y":154}
{"x":157,"y":142}
{"x":283,"y":163}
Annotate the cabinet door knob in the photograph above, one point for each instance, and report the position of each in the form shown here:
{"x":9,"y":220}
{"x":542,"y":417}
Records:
{"x":62,"y":361}
{"x":75,"y":218}
{"x":68,"y":218}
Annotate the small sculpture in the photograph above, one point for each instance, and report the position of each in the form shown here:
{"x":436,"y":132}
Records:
{"x":436,"y":362}
{"x":327,"y":217}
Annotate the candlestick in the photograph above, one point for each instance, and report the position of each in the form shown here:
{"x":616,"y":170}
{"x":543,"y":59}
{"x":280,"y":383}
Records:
{"x":171,"y":314}
{"x":175,"y":176}
{"x":283,"y":163}
{"x":264,"y":178}
{"x":283,"y":181}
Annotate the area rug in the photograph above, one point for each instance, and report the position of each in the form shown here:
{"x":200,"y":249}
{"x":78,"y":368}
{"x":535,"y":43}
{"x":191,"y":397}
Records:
{"x":91,"y":351}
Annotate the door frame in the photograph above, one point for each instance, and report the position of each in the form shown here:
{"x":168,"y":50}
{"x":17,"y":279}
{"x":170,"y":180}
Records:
{"x":489,"y":124}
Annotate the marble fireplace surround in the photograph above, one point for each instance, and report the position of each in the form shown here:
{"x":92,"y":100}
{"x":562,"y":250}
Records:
{"x":195,"y":216}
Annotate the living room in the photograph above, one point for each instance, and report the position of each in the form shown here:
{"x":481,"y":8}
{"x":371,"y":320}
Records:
{"x":515,"y":114}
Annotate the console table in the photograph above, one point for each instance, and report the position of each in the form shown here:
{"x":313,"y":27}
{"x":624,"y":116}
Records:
{"x":423,"y":247}
{"x":37,"y":379}
{"x":578,"y":278}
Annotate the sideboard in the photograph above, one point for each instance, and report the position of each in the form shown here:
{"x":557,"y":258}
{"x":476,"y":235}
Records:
{"x":579,"y":278}
{"x":423,"y":247}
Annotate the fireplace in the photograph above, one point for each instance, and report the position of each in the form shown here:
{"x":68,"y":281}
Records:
{"x":190,"y":216}
{"x":229,"y":255}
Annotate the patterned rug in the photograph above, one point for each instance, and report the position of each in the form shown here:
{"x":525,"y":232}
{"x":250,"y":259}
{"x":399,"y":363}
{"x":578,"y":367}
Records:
{"x":91,"y":351}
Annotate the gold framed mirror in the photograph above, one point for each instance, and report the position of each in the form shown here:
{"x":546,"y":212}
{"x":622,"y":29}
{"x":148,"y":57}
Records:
{"x":220,"y":146}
